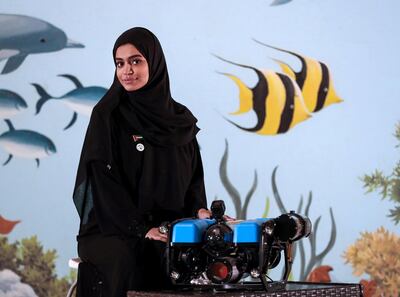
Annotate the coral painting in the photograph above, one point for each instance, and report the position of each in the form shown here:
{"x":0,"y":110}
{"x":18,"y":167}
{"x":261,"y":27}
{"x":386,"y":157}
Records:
{"x":26,"y":269}
{"x":378,"y":255}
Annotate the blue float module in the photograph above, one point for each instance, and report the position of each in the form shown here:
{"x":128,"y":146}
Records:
{"x":191,"y":231}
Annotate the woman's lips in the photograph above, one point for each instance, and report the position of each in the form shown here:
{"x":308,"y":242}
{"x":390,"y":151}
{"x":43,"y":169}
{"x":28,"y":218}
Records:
{"x":129,"y":81}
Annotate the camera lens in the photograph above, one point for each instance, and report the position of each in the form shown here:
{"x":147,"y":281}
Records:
{"x":219,"y":271}
{"x":218,"y":239}
{"x":223,"y":270}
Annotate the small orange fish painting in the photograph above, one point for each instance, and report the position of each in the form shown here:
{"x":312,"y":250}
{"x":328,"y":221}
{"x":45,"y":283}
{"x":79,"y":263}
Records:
{"x":370,"y":287}
{"x":6,"y":226}
{"x":320,"y":274}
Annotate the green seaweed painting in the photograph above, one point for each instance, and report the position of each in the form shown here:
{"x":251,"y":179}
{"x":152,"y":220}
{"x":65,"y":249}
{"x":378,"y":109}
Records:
{"x":315,"y":259}
{"x":389,"y":185}
{"x":241,"y":210}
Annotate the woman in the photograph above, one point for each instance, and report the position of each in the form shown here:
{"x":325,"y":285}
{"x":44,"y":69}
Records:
{"x":140,"y":166}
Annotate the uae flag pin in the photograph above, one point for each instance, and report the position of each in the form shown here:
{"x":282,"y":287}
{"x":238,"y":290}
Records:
{"x":136,"y":138}
{"x":139,"y":146}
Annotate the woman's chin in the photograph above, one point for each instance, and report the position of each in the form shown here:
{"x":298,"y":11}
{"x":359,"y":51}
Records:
{"x":132,"y":87}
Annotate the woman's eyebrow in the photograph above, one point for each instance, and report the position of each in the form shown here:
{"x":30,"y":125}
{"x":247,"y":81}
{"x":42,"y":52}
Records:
{"x":133,"y":56}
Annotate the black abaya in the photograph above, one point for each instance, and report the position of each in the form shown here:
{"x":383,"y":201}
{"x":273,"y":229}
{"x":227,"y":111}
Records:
{"x":140,"y":166}
{"x":157,"y":184}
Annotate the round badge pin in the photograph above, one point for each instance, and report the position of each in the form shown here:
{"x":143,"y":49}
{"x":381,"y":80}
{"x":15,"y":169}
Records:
{"x":140,"y":147}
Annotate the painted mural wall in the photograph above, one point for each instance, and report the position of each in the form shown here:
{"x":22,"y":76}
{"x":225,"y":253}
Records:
{"x":297,"y":101}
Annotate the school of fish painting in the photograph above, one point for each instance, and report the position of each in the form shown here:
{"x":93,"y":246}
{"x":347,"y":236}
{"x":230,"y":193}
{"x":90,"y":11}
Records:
{"x":283,"y":100}
{"x":21,"y":36}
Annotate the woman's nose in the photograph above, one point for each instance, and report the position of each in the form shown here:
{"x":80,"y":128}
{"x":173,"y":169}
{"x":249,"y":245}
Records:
{"x":128,"y":69}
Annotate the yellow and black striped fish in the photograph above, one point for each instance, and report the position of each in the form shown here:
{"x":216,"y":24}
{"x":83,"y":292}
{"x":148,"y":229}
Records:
{"x":275,"y":99}
{"x":314,"y":80}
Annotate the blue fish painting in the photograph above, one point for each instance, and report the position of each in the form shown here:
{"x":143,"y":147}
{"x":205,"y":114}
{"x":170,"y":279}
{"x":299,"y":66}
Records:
{"x":10,"y":104}
{"x":21,"y":36}
{"x":280,"y":2}
{"x":80,"y":100}
{"x":26,"y":144}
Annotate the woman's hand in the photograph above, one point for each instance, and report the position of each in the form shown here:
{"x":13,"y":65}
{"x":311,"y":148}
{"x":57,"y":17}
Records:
{"x":203,"y":213}
{"x":155,"y":234}
{"x":228,"y":218}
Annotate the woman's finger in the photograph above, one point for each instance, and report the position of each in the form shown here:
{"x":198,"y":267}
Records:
{"x":228,"y":218}
{"x":161,"y":238}
{"x":203,"y":213}
{"x":156,"y":235}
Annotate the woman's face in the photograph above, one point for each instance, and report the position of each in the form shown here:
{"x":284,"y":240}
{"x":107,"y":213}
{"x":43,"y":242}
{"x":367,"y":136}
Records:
{"x":132,"y":68}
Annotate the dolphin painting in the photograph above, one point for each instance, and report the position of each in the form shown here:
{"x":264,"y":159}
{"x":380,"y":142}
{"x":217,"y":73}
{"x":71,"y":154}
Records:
{"x":26,"y":144}
{"x":22,"y":35}
{"x":10,"y":104}
{"x":80,"y":100}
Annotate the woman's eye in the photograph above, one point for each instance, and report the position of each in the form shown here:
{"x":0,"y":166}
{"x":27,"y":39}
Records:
{"x":119,"y":64}
{"x":135,"y":61}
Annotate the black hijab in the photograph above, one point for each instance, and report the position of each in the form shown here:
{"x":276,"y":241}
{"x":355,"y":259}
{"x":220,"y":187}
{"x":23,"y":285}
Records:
{"x":150,"y":110}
